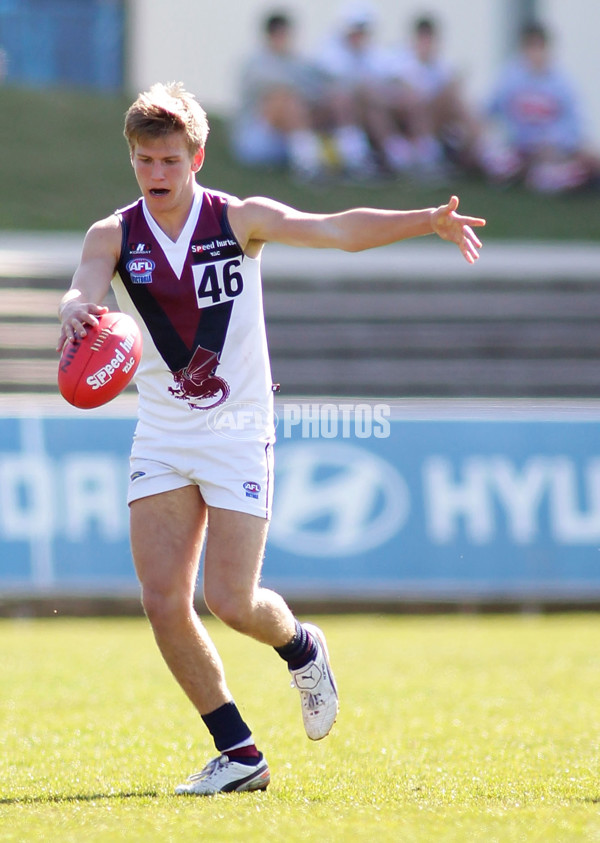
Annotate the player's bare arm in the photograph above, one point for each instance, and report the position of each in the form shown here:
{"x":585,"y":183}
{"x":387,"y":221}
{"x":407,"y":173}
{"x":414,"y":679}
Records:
{"x":81,"y":303}
{"x":259,"y":220}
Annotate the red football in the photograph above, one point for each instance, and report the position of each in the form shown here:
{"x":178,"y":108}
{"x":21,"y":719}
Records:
{"x":97,"y":368}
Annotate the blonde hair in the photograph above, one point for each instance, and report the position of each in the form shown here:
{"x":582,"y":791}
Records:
{"x":167,"y":108}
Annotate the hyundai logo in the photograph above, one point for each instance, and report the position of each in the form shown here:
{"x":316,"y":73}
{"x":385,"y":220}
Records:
{"x":335,"y":499}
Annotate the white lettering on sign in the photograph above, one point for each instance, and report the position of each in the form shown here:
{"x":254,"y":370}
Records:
{"x":94,"y":498}
{"x":451,"y":501}
{"x":520,"y":493}
{"x":40,"y":497}
{"x":27,"y":509}
{"x":571,"y":524}
{"x":481,"y":492}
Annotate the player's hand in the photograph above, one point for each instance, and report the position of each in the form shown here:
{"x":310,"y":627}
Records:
{"x":449,"y":225}
{"x":74,"y":316}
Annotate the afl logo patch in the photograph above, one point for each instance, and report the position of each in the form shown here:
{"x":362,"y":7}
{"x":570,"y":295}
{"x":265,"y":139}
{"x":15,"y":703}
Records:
{"x":140,"y":270}
{"x":252,"y":489}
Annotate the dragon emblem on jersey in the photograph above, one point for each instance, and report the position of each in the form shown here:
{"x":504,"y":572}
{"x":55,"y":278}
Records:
{"x":197,"y":381}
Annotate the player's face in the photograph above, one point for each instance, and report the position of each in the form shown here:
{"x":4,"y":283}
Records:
{"x":537,"y":54}
{"x":165,"y":171}
{"x":425,"y":46}
{"x":358,"y":38}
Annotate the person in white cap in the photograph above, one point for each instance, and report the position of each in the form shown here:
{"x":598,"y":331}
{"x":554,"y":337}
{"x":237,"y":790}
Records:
{"x":354,"y":68}
{"x":387,"y":117}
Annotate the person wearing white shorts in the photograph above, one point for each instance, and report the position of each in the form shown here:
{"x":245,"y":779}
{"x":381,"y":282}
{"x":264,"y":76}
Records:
{"x":185,"y":263}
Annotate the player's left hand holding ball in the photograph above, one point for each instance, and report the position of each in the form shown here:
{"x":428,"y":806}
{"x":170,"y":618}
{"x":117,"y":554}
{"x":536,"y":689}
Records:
{"x":76,"y":317}
{"x":100,"y":354}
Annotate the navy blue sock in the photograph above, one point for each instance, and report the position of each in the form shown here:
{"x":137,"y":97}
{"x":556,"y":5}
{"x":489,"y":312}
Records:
{"x":300,"y":650}
{"x":226,"y":726}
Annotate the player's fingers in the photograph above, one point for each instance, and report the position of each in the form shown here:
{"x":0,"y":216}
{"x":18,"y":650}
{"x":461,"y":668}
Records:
{"x":468,"y":253}
{"x":478,"y":221}
{"x":470,"y":250}
{"x":75,"y":329}
{"x":468,"y":246}
{"x":90,"y":319}
{"x":87,"y":318}
{"x":70,"y":333}
{"x":473,"y":238}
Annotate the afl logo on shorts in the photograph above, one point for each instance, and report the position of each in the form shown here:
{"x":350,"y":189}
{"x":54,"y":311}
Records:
{"x":252,"y":489}
{"x":140,"y":270}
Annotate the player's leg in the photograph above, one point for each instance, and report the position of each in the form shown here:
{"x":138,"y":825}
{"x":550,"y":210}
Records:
{"x":286,"y":111}
{"x":167,"y":531}
{"x":235,"y":548}
{"x":461,"y":130}
{"x":340,"y":110}
{"x":232,"y":591}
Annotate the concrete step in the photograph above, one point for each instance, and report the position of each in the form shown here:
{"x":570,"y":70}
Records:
{"x":450,"y":338}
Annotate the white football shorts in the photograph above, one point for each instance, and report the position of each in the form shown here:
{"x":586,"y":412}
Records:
{"x":230,"y":474}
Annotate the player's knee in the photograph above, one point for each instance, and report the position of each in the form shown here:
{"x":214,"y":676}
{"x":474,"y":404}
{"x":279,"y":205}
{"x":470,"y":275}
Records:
{"x":163,"y":608}
{"x":235,"y":610}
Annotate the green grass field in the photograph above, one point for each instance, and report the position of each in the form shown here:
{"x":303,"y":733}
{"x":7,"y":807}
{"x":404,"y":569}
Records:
{"x":452,"y":728}
{"x":65,"y":164}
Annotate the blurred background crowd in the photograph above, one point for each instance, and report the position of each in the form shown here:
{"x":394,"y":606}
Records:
{"x":357,"y":90}
{"x":359,"y":109}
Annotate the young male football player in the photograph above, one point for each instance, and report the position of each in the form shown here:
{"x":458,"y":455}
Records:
{"x":184,"y":261}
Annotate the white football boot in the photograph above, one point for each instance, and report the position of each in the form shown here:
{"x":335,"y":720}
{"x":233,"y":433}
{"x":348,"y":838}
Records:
{"x":222,"y":775}
{"x":317,"y":688}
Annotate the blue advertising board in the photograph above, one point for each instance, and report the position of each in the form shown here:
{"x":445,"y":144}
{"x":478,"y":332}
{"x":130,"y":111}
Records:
{"x":368,"y":503}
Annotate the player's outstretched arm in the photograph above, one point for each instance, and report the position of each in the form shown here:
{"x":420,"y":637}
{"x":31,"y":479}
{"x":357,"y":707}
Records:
{"x":80,"y":306}
{"x":259,"y":220}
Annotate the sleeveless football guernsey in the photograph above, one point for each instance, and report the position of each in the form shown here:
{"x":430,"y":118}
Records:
{"x":198,"y":301}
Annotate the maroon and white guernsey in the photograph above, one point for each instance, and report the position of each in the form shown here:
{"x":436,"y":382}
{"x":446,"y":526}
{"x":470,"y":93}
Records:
{"x":198,"y":302}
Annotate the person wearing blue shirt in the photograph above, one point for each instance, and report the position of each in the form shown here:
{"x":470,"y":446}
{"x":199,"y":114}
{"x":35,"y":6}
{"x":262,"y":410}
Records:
{"x":535,"y":107}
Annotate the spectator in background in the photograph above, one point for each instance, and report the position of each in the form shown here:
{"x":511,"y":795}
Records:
{"x":353,"y":70}
{"x":441,"y":116}
{"x":535,"y":108}
{"x":279,"y":105}
{"x":368,"y":82}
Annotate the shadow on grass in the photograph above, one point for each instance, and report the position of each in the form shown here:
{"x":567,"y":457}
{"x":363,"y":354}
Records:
{"x":80,"y":797}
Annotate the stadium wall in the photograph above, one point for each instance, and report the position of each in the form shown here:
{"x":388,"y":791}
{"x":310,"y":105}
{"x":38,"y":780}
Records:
{"x":375,"y":503}
{"x":204,"y":43}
